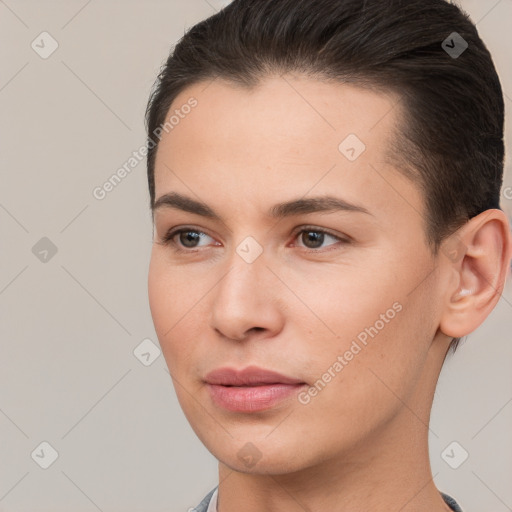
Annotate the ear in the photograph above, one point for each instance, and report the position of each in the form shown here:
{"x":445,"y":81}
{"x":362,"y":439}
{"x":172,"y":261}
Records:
{"x":476,"y":261}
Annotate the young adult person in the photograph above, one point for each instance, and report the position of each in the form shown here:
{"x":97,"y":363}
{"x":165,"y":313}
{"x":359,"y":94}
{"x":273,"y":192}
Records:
{"x":325,"y":179}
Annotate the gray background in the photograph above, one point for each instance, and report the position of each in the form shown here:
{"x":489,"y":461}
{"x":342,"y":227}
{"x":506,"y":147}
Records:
{"x":70,"y":325}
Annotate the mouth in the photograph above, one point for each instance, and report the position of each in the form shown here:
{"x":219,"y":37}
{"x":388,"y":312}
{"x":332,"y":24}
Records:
{"x":251,"y":389}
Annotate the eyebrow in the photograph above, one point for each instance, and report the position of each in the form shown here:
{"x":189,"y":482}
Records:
{"x":287,"y":209}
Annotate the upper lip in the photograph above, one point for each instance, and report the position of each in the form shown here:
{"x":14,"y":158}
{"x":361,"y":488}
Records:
{"x":252,"y":375}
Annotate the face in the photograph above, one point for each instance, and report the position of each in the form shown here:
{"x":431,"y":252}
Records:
{"x":339,"y":298}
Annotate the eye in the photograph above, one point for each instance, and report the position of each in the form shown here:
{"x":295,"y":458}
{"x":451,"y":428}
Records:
{"x":188,"y":238}
{"x":313,"y":237}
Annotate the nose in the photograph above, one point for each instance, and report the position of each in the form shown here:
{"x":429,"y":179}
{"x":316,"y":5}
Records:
{"x":247,"y":300}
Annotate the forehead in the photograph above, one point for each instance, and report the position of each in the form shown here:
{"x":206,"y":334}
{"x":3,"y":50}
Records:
{"x":288,"y":134}
{"x":291,"y":107}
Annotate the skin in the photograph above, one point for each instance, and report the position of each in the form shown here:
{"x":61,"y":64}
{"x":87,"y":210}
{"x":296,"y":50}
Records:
{"x":362,"y":442}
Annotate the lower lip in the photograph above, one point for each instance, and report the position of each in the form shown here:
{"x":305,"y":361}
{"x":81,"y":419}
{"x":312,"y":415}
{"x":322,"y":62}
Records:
{"x":251,"y":399}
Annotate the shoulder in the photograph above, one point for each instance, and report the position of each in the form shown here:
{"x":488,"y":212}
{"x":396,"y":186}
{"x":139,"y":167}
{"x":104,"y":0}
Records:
{"x":451,"y":502}
{"x":203,"y":506}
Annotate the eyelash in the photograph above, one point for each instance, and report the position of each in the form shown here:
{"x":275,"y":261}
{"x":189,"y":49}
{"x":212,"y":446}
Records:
{"x":167,"y":239}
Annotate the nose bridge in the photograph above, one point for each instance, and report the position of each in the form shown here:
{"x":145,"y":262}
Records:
{"x":247,"y":270}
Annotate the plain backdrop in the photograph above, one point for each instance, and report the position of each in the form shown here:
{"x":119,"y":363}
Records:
{"x":76,"y":395}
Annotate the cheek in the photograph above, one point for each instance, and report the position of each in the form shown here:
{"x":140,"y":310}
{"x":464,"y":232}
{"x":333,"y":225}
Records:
{"x":340,"y":302}
{"x":372,"y":334}
{"x":172,"y":301}
{"x":160,"y":300}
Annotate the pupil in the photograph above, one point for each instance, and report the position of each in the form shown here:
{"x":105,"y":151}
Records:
{"x":316,"y":237}
{"x":189,"y":236}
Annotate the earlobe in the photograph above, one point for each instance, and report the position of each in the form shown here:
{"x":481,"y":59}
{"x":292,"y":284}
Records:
{"x":477,"y":276}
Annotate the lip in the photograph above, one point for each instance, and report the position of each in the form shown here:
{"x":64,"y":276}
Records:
{"x":250,"y":376}
{"x":252,"y":389}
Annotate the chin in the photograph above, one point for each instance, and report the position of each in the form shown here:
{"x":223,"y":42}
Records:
{"x":260,"y":457}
